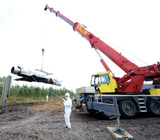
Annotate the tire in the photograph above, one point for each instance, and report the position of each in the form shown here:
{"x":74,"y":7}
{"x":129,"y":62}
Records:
{"x":1,"y":111}
{"x":106,"y":115}
{"x":154,"y":107}
{"x":91,"y":111}
{"x":128,"y":109}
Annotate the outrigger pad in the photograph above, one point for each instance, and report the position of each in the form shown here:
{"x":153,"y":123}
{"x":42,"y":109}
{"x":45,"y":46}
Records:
{"x":119,"y":133}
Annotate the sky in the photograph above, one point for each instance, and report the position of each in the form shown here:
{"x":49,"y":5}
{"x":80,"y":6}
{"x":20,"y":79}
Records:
{"x":130,"y":27}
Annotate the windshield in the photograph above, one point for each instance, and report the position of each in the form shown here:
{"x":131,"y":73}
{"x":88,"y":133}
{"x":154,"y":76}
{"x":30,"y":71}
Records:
{"x":100,"y":79}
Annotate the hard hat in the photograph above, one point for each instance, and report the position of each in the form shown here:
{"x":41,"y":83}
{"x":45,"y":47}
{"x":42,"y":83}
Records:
{"x":67,"y":95}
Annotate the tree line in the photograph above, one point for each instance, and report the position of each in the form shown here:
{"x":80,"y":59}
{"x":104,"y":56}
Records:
{"x":32,"y":91}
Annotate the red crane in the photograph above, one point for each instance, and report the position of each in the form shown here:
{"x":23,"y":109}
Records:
{"x":133,"y":80}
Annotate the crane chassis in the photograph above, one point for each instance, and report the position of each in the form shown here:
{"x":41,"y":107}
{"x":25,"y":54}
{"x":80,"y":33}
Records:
{"x":110,"y":106}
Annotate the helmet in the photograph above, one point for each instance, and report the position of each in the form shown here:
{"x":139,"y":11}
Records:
{"x":67,"y":95}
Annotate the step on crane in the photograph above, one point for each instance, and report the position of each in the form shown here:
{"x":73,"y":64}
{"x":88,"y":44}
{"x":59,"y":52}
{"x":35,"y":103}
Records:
{"x":129,"y":91}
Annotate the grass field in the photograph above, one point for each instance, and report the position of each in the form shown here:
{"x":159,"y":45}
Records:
{"x":40,"y":102}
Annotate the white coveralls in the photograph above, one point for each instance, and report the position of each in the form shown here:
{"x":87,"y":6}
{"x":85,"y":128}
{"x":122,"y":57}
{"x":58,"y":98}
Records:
{"x":67,"y":111}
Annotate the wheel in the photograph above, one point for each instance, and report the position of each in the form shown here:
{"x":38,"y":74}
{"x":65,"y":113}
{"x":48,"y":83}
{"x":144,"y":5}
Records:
{"x":91,"y":111}
{"x":107,"y":115}
{"x":128,"y":109}
{"x":154,"y":107}
{"x":1,"y":111}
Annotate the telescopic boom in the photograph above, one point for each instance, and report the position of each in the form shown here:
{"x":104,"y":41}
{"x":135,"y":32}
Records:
{"x":97,"y":43}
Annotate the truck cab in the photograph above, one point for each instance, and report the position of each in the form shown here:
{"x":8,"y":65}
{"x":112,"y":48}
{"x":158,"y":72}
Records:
{"x":103,"y":82}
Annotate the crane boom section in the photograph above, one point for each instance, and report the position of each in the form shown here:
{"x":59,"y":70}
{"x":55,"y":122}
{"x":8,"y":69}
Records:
{"x":125,"y":64}
{"x":58,"y":14}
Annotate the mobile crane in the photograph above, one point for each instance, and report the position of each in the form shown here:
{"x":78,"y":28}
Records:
{"x":128,"y":92}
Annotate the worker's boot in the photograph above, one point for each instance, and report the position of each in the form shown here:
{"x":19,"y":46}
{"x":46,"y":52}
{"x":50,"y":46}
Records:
{"x":68,"y":129}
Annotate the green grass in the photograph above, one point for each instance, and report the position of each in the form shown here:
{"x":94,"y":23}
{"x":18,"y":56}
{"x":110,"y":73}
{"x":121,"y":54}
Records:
{"x":17,"y":100}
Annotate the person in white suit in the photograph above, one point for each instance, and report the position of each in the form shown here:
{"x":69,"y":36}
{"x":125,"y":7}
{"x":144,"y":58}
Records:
{"x":67,"y":111}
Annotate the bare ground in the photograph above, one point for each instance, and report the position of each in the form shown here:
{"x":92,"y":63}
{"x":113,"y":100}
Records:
{"x":41,"y":121}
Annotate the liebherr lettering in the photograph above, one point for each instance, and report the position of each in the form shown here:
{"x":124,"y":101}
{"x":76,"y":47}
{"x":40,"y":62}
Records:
{"x":81,"y":29}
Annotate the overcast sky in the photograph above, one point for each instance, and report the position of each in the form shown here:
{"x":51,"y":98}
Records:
{"x":25,"y":28}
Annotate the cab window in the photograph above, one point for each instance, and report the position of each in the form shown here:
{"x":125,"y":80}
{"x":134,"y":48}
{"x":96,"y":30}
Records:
{"x":95,"y":80}
{"x":100,"y":79}
{"x":104,"y":79}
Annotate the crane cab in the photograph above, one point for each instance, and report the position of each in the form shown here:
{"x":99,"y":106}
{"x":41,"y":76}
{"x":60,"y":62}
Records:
{"x":103,"y":82}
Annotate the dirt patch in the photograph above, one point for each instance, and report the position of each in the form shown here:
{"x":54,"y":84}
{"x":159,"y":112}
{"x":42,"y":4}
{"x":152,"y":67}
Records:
{"x":22,"y":122}
{"x":18,"y":114}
